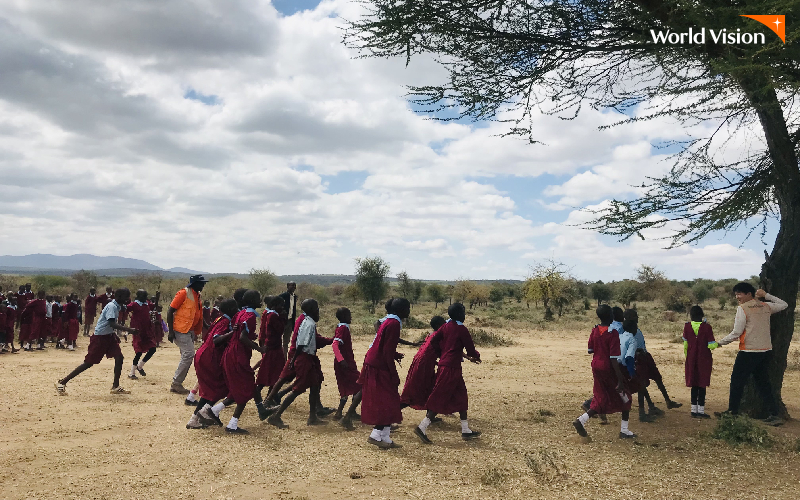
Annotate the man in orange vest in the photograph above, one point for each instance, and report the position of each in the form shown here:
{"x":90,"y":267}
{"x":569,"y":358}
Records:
{"x":185,"y":323}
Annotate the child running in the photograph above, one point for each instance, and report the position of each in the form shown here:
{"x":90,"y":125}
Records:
{"x":270,"y":337}
{"x":449,"y":394}
{"x":422,"y":373}
{"x":240,"y":376}
{"x":698,"y":342}
{"x":144,"y":342}
{"x":379,"y":380}
{"x":104,"y":342}
{"x":345,"y":368}
{"x":609,"y":394}
{"x":307,"y":367}
{"x":208,"y":367}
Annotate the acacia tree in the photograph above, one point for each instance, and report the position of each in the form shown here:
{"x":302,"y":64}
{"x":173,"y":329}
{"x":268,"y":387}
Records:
{"x":404,"y":285}
{"x":263,"y":280}
{"x":436,"y":294}
{"x":548,"y":283}
{"x":559,"y":56}
{"x":371,"y":273}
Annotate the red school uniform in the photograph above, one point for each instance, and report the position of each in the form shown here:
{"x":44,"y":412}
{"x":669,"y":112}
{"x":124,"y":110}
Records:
{"x":346,"y":378}
{"x":144,"y":340}
{"x":206,"y":321}
{"x":208,"y":362}
{"x":71,"y":320}
{"x":11,"y":316}
{"x":34,"y":316}
{"x":53,"y":323}
{"x":240,"y":376}
{"x":380,"y":403}
{"x":215,"y":314}
{"x":422,"y":373}
{"x":288,"y":372}
{"x":272,"y":361}
{"x":449,"y":394}
{"x":699,"y":359}
{"x":604,"y":343}
{"x":90,"y":308}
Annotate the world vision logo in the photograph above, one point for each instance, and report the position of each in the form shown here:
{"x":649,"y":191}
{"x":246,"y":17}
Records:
{"x":698,"y":36}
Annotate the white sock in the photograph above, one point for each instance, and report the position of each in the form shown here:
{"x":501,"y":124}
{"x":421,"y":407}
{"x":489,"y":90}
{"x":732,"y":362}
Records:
{"x":133,"y":370}
{"x":195,"y":419}
{"x":701,"y":409}
{"x":191,"y":397}
{"x":217,"y":408}
{"x":465,"y":427}
{"x":583,"y":418}
{"x":234,"y":423}
{"x":385,"y":434}
{"x":423,"y":426}
{"x":375,"y":434}
{"x":140,"y":365}
{"x":624,"y":428}
{"x":694,"y":408}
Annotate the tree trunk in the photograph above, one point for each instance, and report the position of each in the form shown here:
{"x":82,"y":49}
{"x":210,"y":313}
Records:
{"x":781,"y":271}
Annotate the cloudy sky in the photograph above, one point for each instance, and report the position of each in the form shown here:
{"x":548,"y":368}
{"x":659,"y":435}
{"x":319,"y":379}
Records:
{"x":223,"y":136}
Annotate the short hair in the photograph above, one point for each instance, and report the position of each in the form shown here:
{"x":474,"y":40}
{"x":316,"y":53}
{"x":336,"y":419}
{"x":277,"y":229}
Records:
{"x":251,"y":298}
{"x":454,"y":308}
{"x":400,"y":304}
{"x":631,"y":314}
{"x":696,"y":313}
{"x":307,"y":304}
{"x":238,"y":294}
{"x":630,"y":326}
{"x":341,"y":312}
{"x":744,"y":287}
{"x":603,"y":312}
{"x":124,"y":291}
{"x":618,"y":313}
{"x":274,"y":302}
{"x":389,"y":306}
{"x":437,"y":322}
{"x":291,"y":283}
{"x":228,"y":307}
{"x":267,"y":298}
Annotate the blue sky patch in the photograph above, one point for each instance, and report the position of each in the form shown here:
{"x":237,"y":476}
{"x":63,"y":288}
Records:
{"x":209,"y":100}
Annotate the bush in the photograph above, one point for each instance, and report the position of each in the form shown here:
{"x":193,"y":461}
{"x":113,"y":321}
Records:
{"x":678,"y":298}
{"x":489,"y":339}
{"x":412,"y":322}
{"x":739,"y":429}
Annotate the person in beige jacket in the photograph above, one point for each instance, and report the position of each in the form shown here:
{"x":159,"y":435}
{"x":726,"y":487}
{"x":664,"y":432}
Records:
{"x":751,"y":327}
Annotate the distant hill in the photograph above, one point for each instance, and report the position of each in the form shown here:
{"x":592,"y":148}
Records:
{"x":74,"y":262}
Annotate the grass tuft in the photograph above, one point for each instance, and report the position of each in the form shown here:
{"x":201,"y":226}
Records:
{"x":546,"y":464}
{"x":739,"y":429}
{"x":489,"y":339}
{"x":493,"y":477}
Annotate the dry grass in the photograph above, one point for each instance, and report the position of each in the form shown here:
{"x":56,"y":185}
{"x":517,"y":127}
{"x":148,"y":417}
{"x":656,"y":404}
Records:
{"x":92,"y":445}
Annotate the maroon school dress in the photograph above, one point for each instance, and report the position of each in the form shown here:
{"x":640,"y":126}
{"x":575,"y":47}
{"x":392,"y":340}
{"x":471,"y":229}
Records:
{"x":605,"y":398}
{"x":346,"y":378}
{"x":239,"y":375}
{"x":144,"y":340}
{"x":422,"y":373}
{"x":35,"y":313}
{"x":53,"y":324}
{"x":380,"y":403}
{"x":288,"y":372}
{"x":11,"y":316}
{"x":449,"y":394}
{"x":307,"y":368}
{"x":208,"y":363}
{"x":272,"y":361}
{"x":206,"y":321}
{"x":699,"y":359}
{"x":214,"y":315}
{"x":71,"y":318}
{"x":90,"y":308}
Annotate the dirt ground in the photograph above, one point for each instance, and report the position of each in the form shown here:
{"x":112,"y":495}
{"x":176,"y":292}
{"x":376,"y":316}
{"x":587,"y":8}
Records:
{"x":92,"y":445}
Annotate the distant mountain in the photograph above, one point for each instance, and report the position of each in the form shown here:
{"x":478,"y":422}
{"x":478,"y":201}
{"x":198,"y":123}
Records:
{"x":74,"y":262}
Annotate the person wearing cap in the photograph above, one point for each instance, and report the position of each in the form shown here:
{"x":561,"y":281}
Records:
{"x":185,"y":324}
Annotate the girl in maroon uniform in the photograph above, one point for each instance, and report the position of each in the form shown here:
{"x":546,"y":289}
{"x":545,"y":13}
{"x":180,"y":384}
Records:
{"x":345,"y":368}
{"x":698,"y":342}
{"x":449,"y":394}
{"x":609,"y":394}
{"x":144,"y":342}
{"x":240,"y":376}
{"x":422,"y":373}
{"x":73,"y":324}
{"x":270,"y":336}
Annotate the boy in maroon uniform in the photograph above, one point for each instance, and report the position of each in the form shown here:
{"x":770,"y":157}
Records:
{"x":609,"y":394}
{"x":306,"y":365}
{"x":449,"y":394}
{"x":89,"y":311}
{"x":698,"y":342}
{"x":144,"y":341}
{"x":345,"y":368}
{"x":270,"y":336}
{"x":379,"y":380}
{"x":239,"y":375}
{"x":34,"y":314}
{"x":70,"y":317}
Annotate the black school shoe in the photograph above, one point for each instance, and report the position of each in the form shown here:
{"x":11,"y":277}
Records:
{"x":325,"y":411}
{"x":580,"y":428}
{"x":214,"y":420}
{"x":622,"y":435}
{"x":466,"y":436}
{"x":190,"y":403}
{"x":421,"y":435}
{"x":643,"y":417}
{"x":141,"y":372}
{"x":671,"y":405}
{"x":237,"y":430}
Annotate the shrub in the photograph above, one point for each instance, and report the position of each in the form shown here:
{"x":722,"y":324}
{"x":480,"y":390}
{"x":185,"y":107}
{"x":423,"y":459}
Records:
{"x":412,"y":322}
{"x":739,"y":429}
{"x":489,"y":339}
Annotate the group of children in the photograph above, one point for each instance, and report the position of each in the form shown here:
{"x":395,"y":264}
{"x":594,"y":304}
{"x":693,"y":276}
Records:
{"x":621,"y":367}
{"x":227,"y":376}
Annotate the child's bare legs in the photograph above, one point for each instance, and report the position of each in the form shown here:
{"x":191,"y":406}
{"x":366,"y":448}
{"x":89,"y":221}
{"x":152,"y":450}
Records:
{"x":643,"y":416}
{"x":314,"y":405}
{"x":340,"y":409}
{"x":347,"y":420}
{"x":275,"y":418}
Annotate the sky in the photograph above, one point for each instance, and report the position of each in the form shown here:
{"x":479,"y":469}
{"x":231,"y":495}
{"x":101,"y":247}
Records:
{"x":225,"y":136}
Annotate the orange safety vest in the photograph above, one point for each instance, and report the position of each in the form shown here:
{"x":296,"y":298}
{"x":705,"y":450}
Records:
{"x":188,"y":314}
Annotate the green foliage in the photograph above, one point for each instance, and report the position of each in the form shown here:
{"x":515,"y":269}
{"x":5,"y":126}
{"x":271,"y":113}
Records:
{"x":626,"y":292}
{"x":313,"y":291}
{"x":404,"y":285}
{"x":722,"y":301}
{"x":49,"y":283}
{"x":82,"y":281}
{"x":371,"y":273}
{"x":263,"y":280}
{"x":497,"y":293}
{"x":412,"y":322}
{"x":549,"y":283}
{"x":701,"y":292}
{"x":677,"y":298}
{"x":739,"y":429}
{"x":436,"y":294}
{"x":600,"y":292}
{"x":219,"y":285}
